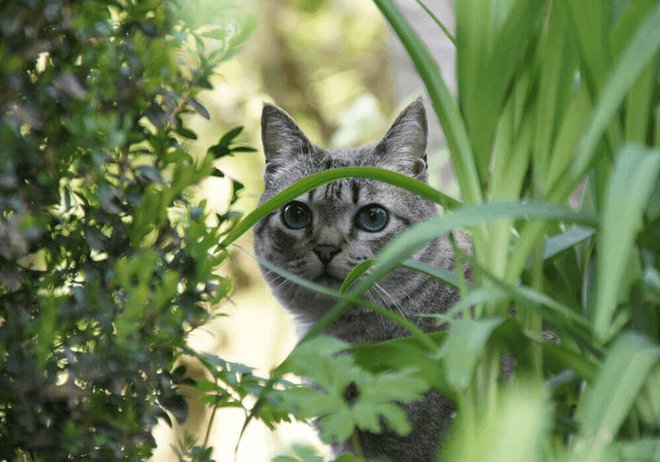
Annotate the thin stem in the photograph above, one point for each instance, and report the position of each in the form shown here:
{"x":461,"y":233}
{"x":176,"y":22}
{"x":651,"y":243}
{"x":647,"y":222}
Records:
{"x":440,"y":24}
{"x":357,"y":447}
{"x":535,"y":320}
{"x":210,"y":424}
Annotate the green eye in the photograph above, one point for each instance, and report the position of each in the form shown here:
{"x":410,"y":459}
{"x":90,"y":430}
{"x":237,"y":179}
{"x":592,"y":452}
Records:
{"x":372,"y":218}
{"x":296,"y":215}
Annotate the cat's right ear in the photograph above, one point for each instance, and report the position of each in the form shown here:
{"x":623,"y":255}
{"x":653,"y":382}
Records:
{"x":281,"y":137}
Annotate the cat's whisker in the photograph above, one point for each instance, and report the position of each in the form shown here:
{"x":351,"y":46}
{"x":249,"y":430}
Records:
{"x":396,"y":305}
{"x":373,"y":300}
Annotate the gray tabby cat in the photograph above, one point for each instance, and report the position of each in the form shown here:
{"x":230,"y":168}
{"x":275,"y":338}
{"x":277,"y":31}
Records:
{"x":323,"y":234}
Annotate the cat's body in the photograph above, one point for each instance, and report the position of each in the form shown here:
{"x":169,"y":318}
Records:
{"x":323,"y":234}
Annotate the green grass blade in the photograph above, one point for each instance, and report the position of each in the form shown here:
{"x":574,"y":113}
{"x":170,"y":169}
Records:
{"x":355,"y":273}
{"x":564,"y":358}
{"x":592,"y":38}
{"x":438,"y":273}
{"x":556,"y":244}
{"x":439,"y":23}
{"x":630,"y":187}
{"x":639,"y":103}
{"x":464,"y":347}
{"x":484,"y":105}
{"x":404,"y":245}
{"x":317,"y":179}
{"x":351,"y":299}
{"x":443,"y":102}
{"x":607,"y":403}
{"x":635,"y":451}
{"x":642,"y":48}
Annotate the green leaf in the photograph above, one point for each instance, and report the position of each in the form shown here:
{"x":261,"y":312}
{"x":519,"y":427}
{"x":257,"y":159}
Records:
{"x":440,"y":24}
{"x":634,"y":451}
{"x":402,"y":353}
{"x":643,"y":46}
{"x":558,"y":243}
{"x":443,"y":102}
{"x":463,"y":348}
{"x":607,"y":402}
{"x":404,"y":245}
{"x":229,"y":137}
{"x":514,"y":430}
{"x":332,"y":374}
{"x":440,"y":274}
{"x":635,"y":175}
{"x":355,"y":273}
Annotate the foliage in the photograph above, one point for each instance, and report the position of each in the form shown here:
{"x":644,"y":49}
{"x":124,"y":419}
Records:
{"x":105,"y":257}
{"x":334,"y":377}
{"x":554,"y":138}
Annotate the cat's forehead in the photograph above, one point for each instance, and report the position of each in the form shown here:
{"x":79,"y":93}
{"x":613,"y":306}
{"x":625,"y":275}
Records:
{"x":322,"y":159}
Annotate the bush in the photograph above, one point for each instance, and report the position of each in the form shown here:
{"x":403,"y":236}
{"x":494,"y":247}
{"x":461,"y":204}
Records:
{"x":105,"y":259}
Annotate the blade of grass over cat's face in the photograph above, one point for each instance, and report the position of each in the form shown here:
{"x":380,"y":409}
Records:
{"x":355,"y":273}
{"x":318,"y":179}
{"x":438,"y":273}
{"x":405,"y":245}
{"x":351,"y":299}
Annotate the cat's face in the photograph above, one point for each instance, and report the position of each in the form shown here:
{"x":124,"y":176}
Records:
{"x":323,"y":234}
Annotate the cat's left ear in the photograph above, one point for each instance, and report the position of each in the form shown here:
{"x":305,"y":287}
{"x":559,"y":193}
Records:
{"x":404,"y":145}
{"x":283,"y":140}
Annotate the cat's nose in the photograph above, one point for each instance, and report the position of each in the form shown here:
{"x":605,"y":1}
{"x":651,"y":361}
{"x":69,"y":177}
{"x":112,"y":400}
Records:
{"x":325,"y":252}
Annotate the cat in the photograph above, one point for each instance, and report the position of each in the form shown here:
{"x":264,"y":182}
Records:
{"x":326,"y":232}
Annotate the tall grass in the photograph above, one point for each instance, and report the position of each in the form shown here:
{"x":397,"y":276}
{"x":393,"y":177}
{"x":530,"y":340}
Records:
{"x":554,"y":139}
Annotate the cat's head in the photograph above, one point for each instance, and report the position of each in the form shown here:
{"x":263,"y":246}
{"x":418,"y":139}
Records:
{"x":323,"y":234}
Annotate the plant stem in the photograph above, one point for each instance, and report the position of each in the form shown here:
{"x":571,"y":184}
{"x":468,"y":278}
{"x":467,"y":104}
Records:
{"x":355,"y":439}
{"x":210,"y":424}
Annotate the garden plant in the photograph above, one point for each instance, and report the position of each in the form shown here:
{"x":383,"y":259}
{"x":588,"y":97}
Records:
{"x":107,"y":260}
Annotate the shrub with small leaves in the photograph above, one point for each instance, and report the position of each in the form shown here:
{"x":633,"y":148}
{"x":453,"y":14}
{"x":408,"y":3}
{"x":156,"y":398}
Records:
{"x":105,"y":260}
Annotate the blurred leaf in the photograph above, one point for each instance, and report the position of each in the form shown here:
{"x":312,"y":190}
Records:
{"x":199,"y":108}
{"x":463,"y":349}
{"x":515,"y":430}
{"x":558,"y":243}
{"x":607,"y":402}
{"x":635,"y":175}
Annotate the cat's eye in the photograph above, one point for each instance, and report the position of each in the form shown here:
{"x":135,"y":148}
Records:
{"x":296,"y":215}
{"x":372,"y":218}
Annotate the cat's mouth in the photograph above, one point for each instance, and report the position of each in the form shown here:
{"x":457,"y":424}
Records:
{"x":328,"y":280}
